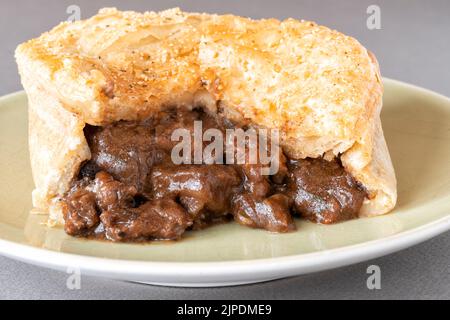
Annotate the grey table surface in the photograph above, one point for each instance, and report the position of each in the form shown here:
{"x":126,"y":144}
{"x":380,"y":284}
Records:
{"x":412,"y":45}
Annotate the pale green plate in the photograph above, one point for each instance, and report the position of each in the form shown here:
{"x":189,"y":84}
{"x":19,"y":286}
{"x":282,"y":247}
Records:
{"x":417,"y":128}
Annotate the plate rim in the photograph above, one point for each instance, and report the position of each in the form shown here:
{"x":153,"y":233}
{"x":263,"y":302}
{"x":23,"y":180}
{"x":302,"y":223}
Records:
{"x":232,"y":270}
{"x":314,"y":261}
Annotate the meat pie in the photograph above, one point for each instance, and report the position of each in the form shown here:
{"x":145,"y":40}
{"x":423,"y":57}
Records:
{"x":107,"y":96}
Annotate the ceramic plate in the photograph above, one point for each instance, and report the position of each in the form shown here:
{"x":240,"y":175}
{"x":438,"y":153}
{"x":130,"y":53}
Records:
{"x":417,"y":128}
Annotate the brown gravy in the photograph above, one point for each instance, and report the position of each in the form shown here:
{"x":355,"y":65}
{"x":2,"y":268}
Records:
{"x":131,"y":191}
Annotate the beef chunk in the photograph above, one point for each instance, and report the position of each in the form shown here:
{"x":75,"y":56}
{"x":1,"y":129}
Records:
{"x":111,"y":193}
{"x":271,"y":213}
{"x":124,"y":150}
{"x":79,"y":210}
{"x":323,"y":191}
{"x":157,"y":219}
{"x":201,"y":189}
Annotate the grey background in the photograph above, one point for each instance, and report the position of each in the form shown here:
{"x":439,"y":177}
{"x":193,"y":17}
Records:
{"x":413,"y":45}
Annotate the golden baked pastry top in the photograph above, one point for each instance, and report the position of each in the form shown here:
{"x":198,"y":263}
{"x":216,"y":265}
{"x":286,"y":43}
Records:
{"x":302,"y":78}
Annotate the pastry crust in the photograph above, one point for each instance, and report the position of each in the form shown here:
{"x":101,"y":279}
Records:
{"x":320,"y":88}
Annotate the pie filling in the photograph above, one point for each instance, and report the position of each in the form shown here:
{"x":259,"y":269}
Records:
{"x":131,"y":190}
